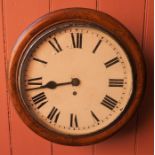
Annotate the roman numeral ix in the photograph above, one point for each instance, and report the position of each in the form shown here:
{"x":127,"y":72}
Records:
{"x":39,"y":99}
{"x":55,"y":44}
{"x":77,"y":40}
{"x":73,"y":120}
{"x":54,"y":115}
{"x":35,"y":81}
{"x":116,"y":82}
{"x":111,"y":62}
{"x":109,"y":102}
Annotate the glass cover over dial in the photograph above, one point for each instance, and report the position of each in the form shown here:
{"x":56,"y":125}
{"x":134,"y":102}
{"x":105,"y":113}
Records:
{"x":75,"y":80}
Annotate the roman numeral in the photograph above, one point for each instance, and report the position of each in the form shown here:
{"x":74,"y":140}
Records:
{"x":109,"y":102}
{"x":39,"y":99}
{"x":39,"y":60}
{"x":111,"y":62}
{"x":97,"y":45}
{"x":94,"y":116}
{"x":116,"y":82}
{"x":54,"y":115}
{"x":73,"y":120}
{"x":35,"y":81}
{"x":77,"y":40}
{"x":56,"y":46}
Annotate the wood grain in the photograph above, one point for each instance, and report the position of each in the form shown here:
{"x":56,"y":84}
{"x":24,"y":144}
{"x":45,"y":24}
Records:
{"x":18,"y":15}
{"x":5,"y":146}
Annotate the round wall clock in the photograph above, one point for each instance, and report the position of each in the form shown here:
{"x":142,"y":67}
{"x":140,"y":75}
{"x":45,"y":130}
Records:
{"x":76,"y":76}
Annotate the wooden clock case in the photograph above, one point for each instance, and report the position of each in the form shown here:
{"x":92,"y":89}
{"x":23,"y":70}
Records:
{"x":108,"y":24}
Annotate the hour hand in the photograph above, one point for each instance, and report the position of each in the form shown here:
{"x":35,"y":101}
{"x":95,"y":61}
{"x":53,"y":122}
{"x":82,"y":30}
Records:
{"x":53,"y":84}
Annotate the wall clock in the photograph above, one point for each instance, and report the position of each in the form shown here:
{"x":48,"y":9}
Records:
{"x":76,"y":76}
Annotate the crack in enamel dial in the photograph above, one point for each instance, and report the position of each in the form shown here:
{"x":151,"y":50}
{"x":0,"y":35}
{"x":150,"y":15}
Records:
{"x":76,"y":80}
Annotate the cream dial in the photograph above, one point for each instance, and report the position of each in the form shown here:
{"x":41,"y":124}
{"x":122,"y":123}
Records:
{"x":77,"y":80}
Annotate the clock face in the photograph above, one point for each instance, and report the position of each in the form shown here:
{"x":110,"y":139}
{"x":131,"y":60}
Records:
{"x":75,"y":80}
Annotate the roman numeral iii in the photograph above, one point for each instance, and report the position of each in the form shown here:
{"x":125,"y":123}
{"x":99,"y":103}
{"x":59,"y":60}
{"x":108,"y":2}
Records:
{"x":109,"y":102}
{"x":55,"y":44}
{"x":73,"y":121}
{"x":39,"y":99}
{"x":54,"y":115}
{"x":116,"y":82}
{"x":111,"y":62}
{"x":77,"y":40}
{"x":35,"y":81}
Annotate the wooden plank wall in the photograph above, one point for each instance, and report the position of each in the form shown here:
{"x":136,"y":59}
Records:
{"x":136,"y":138}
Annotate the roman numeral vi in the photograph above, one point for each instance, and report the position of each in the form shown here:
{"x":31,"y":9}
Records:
{"x":73,"y":120}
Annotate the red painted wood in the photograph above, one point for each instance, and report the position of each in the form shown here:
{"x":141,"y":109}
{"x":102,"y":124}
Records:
{"x":61,"y":4}
{"x":4,"y":122}
{"x":145,"y":122}
{"x":132,"y":16}
{"x":18,"y":15}
{"x":69,"y":150}
{"x":128,"y":12}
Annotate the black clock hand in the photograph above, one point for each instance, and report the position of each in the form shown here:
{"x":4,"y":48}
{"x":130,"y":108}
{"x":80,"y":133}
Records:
{"x":53,"y":84}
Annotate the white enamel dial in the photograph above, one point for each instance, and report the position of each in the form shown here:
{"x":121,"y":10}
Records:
{"x":77,"y":80}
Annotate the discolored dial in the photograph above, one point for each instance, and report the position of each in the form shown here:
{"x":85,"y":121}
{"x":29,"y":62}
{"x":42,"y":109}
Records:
{"x":75,"y":80}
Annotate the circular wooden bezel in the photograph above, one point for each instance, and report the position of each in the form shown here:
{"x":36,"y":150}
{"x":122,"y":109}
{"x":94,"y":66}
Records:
{"x":114,"y":28}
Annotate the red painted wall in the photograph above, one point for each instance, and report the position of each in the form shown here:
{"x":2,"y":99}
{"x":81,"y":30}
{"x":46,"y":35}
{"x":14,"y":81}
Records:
{"x":136,"y":138}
